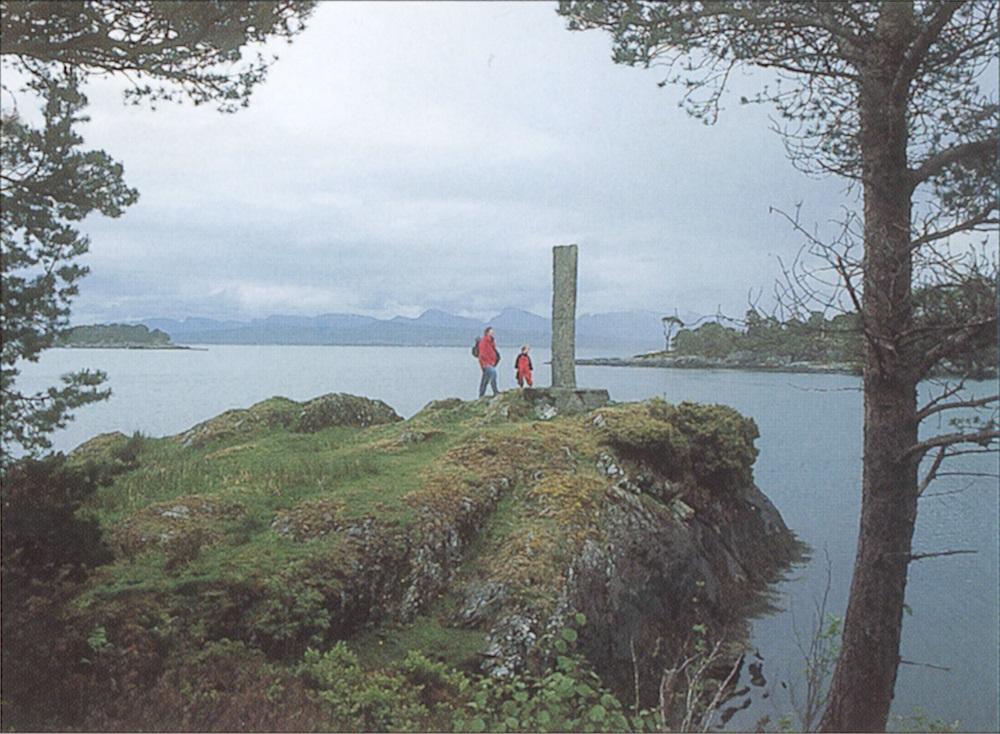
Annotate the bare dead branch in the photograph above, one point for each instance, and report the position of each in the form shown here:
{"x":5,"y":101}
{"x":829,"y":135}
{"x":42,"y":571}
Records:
{"x":983,"y":437}
{"x":713,"y":704}
{"x":982,"y":218}
{"x":924,"y":665}
{"x":933,"y":471}
{"x":939,"y":554}
{"x":944,"y":494}
{"x":939,"y":407}
{"x":987,"y":474}
{"x":947,"y":392}
{"x":973,"y":452}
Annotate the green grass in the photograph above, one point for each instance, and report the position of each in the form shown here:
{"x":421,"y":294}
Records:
{"x":254,"y":476}
{"x":235,"y":484}
{"x":271,"y":472}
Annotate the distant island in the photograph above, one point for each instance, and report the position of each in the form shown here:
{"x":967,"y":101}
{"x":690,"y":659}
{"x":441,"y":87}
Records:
{"x":815,"y":344}
{"x":115,"y":336}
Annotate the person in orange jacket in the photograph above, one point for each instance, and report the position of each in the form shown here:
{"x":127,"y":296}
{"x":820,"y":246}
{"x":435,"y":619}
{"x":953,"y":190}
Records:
{"x":523,"y":367}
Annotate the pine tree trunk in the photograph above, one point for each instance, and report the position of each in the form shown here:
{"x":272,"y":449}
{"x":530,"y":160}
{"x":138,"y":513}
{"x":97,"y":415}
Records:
{"x":862,"y":687}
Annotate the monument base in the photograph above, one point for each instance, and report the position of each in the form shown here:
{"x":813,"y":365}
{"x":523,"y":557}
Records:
{"x":567,"y":400}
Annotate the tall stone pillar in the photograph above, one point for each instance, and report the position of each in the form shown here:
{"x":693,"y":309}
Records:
{"x":564,"y":316}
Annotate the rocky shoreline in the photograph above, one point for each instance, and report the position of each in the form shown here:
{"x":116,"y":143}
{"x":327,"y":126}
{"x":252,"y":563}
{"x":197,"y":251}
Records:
{"x":118,"y":345}
{"x":745,"y":363}
{"x":775,"y":364}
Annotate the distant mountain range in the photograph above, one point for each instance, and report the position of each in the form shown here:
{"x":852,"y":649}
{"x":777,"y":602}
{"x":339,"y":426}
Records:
{"x":641,"y":330}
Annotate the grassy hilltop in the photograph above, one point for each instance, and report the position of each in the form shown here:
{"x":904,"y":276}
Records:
{"x":327,"y":565}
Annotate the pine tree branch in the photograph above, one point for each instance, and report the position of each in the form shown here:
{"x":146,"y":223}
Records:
{"x":917,"y":51}
{"x":936,"y":163}
{"x":955,"y":343}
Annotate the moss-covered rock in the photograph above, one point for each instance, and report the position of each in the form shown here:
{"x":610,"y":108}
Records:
{"x":334,"y":521}
{"x":276,"y":412}
{"x":712,"y":444}
{"x":326,"y":411}
{"x":181,"y":526}
{"x":443,"y":405}
{"x":511,"y":405}
{"x":639,"y":432}
{"x":309,"y":520}
{"x":409,"y":439}
{"x":720,"y":441}
{"x":100,"y":447}
{"x":340,"y":409}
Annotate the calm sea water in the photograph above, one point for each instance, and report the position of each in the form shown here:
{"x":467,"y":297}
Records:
{"x":809,"y":465}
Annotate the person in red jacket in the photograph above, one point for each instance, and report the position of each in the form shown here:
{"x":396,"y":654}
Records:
{"x":522,"y":367}
{"x":486,"y":350}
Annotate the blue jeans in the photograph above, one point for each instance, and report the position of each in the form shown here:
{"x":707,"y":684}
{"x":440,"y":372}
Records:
{"x":489,"y":378}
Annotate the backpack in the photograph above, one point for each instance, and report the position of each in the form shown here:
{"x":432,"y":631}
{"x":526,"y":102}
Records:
{"x":475,"y":348}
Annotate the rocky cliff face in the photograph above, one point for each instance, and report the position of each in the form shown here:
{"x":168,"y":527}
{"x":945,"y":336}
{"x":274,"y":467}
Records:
{"x":289,"y":526}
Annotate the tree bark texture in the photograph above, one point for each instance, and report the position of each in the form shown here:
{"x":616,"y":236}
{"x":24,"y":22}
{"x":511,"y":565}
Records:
{"x":862,"y":686}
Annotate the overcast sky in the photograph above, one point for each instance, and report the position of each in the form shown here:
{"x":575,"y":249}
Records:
{"x":410,"y":156}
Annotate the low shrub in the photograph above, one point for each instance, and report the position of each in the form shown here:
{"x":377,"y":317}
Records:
{"x":289,"y":617}
{"x":37,"y":654}
{"x":223,"y":687}
{"x":41,"y":531}
{"x":408,"y":698}
{"x":127,"y":453}
{"x":48,"y":547}
{"x":566,"y":696}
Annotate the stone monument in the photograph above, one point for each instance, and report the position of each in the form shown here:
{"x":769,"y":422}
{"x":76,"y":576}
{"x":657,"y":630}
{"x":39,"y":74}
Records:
{"x":564,"y":316}
{"x":564,"y":396}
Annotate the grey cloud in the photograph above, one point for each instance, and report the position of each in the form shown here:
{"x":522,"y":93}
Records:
{"x":428,"y":156}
